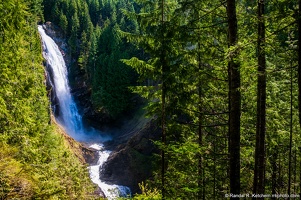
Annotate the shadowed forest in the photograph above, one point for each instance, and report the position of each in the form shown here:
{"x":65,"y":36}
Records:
{"x":221,"y":78}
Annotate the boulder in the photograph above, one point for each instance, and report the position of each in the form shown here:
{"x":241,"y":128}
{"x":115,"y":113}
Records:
{"x":131,"y":163}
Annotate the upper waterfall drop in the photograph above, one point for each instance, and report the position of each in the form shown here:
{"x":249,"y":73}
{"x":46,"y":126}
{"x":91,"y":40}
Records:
{"x":68,"y":113}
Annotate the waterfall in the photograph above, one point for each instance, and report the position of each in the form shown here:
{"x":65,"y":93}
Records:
{"x":68,"y":112}
{"x":70,"y":118}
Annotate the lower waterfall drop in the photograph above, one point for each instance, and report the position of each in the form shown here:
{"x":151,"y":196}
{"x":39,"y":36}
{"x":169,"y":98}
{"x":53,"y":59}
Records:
{"x":70,"y":118}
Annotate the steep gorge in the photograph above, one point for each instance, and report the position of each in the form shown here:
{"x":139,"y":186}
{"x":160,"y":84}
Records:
{"x":130,"y":162}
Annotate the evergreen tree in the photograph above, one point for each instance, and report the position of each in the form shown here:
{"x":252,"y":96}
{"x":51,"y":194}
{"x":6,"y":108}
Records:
{"x":63,"y":23}
{"x":190,"y":59}
{"x":31,"y":149}
{"x":111,"y":78}
{"x":73,"y":40}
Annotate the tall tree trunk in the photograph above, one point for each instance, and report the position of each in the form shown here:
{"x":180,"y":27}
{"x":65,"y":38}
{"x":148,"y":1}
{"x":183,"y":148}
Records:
{"x":163,"y":140}
{"x":163,"y":99}
{"x":234,"y":102}
{"x":201,"y":194}
{"x":299,"y":68}
{"x":214,"y":168}
{"x":291,"y":134}
{"x":295,"y":171}
{"x":258,"y":187}
{"x":299,"y":169}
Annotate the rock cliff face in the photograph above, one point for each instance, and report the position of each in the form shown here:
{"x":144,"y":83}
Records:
{"x":131,"y":162}
{"x":80,"y":88}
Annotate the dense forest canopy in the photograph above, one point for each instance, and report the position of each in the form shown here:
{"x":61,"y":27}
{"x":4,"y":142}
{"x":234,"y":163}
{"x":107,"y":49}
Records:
{"x":92,"y":30}
{"x":225,"y":91}
{"x":222,"y":79}
{"x":32,"y":150}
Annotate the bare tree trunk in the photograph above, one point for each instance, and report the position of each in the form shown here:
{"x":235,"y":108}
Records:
{"x":163,"y":99}
{"x":291,"y":134}
{"x":234,"y":102}
{"x":299,"y":66}
{"x":295,"y":171}
{"x":258,"y":185}
{"x":214,"y":169}
{"x":201,"y":194}
{"x":300,"y":170}
{"x":163,"y":140}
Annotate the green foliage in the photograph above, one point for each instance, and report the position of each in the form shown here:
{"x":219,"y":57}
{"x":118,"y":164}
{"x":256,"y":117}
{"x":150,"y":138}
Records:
{"x":147,"y":193}
{"x":34,"y":161}
{"x":112,"y":78}
{"x":190,"y":41}
{"x":63,"y":23}
{"x":197,"y":91}
{"x":92,"y":29}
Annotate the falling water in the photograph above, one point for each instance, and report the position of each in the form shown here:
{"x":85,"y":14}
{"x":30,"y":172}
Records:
{"x":68,"y":115}
{"x":70,"y":118}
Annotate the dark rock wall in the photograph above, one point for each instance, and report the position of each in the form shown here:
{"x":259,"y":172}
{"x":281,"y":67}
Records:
{"x":131,"y":163}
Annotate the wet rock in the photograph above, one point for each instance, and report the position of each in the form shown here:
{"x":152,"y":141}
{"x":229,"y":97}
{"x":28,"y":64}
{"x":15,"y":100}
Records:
{"x":57,"y":35}
{"x":131,"y":163}
{"x":90,"y":155}
{"x":100,"y":193}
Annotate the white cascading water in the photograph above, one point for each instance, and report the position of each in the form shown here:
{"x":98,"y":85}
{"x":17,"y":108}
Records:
{"x":70,"y":118}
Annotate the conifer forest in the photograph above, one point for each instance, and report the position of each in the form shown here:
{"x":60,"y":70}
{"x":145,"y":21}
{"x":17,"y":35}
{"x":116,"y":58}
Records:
{"x":220,"y":79}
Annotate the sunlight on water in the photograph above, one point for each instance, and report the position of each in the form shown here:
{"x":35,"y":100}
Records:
{"x":70,"y":118}
{"x":110,"y":191}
